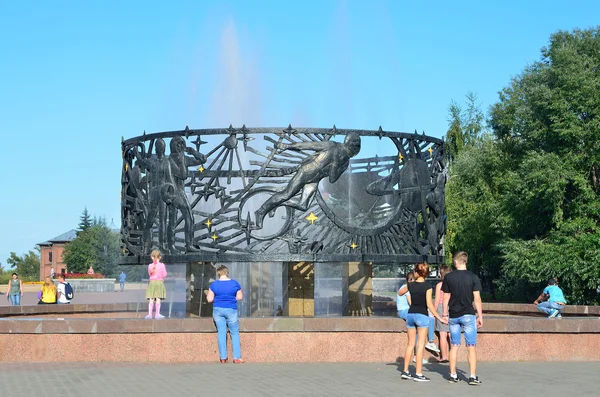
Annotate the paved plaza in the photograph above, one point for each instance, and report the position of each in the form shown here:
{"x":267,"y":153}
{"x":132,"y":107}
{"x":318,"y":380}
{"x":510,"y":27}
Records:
{"x":134,"y":379}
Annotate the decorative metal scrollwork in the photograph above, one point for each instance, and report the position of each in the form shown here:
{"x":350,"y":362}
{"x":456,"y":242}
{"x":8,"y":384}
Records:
{"x":283,"y":195}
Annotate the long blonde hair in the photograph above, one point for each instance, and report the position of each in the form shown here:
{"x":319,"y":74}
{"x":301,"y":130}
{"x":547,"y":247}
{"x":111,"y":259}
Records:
{"x":48,"y":284}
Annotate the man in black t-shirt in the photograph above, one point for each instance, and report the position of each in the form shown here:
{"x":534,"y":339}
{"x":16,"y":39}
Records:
{"x":461,"y":290}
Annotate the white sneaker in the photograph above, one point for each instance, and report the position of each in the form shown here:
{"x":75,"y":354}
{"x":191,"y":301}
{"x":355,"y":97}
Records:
{"x":148,"y":317}
{"x":432,"y":347}
{"x":159,"y":317}
{"x":423,"y":361}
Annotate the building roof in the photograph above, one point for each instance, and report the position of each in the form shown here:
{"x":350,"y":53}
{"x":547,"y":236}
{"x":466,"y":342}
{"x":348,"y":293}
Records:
{"x":63,"y":238}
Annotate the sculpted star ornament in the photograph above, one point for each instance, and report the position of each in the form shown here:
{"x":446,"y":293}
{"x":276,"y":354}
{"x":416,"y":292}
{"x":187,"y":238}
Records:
{"x":245,"y":138}
{"x":198,"y":142}
{"x":312,"y":218}
{"x":287,"y":132}
{"x":230,"y":130}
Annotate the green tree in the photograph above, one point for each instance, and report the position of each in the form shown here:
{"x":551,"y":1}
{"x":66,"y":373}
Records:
{"x":85,"y":221}
{"x":27,"y":265}
{"x":96,"y":246}
{"x":475,"y":219}
{"x":465,"y":126}
{"x":525,"y":202}
{"x":548,"y":122}
{"x":454,"y":137}
{"x":473,"y":161}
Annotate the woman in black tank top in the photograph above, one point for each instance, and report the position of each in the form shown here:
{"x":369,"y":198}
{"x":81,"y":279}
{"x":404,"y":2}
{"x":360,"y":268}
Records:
{"x":418,"y":320}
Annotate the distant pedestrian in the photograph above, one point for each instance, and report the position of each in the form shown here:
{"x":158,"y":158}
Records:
{"x":90,"y":270}
{"x":52,"y":273}
{"x":156,"y":288}
{"x":48,"y":292}
{"x":552,"y":300}
{"x":418,"y":320}
{"x":442,"y":328}
{"x":122,"y":278}
{"x":14,"y":291}
{"x":462,"y":289}
{"x":225,"y":293}
{"x":61,"y":292}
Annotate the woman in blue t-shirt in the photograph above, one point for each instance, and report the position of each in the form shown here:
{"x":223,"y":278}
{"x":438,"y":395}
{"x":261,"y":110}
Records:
{"x":224,"y":293}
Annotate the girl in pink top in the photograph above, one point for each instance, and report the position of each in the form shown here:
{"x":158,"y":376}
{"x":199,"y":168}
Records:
{"x":156,"y":288}
{"x":442,"y":328}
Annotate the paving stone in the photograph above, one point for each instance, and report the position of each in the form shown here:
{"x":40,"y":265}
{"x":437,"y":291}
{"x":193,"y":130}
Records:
{"x":318,"y":379}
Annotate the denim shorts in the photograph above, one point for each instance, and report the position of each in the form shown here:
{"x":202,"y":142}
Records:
{"x":417,"y":320}
{"x":464,"y":323}
{"x":403,"y":314}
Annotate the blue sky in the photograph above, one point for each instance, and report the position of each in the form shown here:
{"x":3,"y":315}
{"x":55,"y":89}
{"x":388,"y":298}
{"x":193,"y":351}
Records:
{"x":79,"y":75}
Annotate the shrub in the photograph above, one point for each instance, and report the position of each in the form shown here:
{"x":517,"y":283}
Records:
{"x":83,"y":275}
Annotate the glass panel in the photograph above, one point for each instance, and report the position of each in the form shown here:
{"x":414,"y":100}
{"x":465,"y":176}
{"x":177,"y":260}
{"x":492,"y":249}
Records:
{"x":261,"y":282}
{"x":241,"y":272}
{"x":176,"y":285}
{"x":266,"y":297}
{"x":387,"y":280}
{"x":329,"y":290}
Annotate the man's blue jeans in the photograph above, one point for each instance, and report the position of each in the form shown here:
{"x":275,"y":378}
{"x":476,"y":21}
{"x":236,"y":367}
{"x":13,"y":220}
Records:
{"x":122,"y":285}
{"x":15,"y":300}
{"x":548,"y":307}
{"x":466,"y":324}
{"x":227,"y":318}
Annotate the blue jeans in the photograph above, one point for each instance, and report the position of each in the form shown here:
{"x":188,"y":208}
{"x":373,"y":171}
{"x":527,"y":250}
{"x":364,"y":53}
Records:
{"x":548,"y":307}
{"x":467,"y":324}
{"x":431,"y":329}
{"x":122,"y":286}
{"x":15,"y":300}
{"x":227,"y":318}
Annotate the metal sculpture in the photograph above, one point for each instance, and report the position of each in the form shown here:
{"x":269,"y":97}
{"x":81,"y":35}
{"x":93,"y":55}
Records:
{"x":330,"y":159}
{"x":282,"y":195}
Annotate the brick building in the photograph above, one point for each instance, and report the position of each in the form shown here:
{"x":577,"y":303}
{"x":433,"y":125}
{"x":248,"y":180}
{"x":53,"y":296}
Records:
{"x":51,"y":253}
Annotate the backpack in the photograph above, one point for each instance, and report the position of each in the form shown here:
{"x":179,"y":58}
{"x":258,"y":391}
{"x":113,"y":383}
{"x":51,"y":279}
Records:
{"x":68,"y":291}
